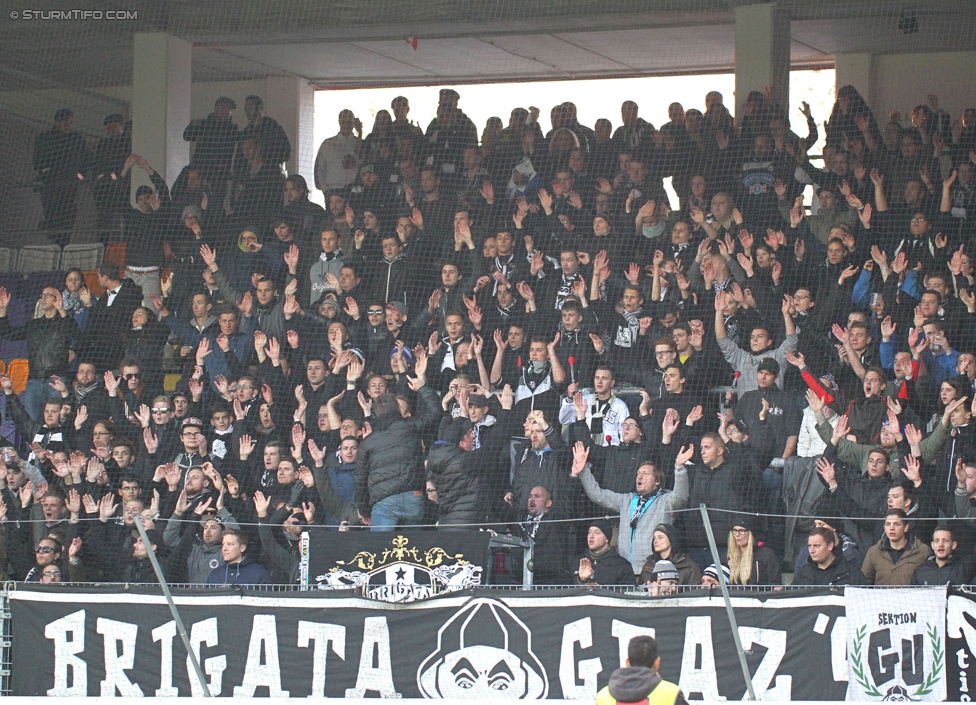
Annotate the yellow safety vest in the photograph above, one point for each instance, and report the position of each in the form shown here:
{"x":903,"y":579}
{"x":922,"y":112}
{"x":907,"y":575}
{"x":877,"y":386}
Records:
{"x":665,"y":693}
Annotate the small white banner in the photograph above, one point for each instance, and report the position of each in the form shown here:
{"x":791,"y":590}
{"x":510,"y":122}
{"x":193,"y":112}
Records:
{"x":896,"y":644}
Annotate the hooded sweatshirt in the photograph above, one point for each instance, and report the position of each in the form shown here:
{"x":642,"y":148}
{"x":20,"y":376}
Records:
{"x":634,"y":684}
{"x":247,"y":572}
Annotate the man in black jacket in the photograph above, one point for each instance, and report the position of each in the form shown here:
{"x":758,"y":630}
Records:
{"x":601,"y":564}
{"x":60,"y":157}
{"x":389,"y":468}
{"x":111,"y":318}
{"x":943,"y":567}
{"x":721,"y":481}
{"x":48,"y":342}
{"x":463,"y":473}
{"x":827,"y":565}
{"x":216,"y":139}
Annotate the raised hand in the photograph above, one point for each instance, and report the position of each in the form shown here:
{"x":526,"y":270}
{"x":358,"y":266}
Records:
{"x":827,"y":471}
{"x":581,"y":455}
{"x":318,"y":454}
{"x":842,"y":428}
{"x":261,"y":504}
{"x":912,"y":469}
{"x":685,"y":454}
{"x":840,"y":333}
{"x":796,"y":359}
{"x":181,"y":504}
{"x":670,"y":423}
{"x":913,"y":436}
{"x":150,"y":440}
{"x":107,"y":508}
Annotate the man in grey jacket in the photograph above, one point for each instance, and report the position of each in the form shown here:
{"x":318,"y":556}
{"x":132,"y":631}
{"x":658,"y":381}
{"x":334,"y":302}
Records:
{"x":760,"y":346}
{"x":204,"y":541}
{"x":642,"y":510}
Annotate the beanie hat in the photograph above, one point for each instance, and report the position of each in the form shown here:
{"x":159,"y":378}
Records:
{"x":604,"y":526}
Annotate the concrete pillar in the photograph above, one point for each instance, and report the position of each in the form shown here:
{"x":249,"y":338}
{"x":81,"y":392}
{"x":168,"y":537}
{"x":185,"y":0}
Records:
{"x":160,"y":104}
{"x":290,"y":101}
{"x":762,"y":53}
{"x":856,"y":70}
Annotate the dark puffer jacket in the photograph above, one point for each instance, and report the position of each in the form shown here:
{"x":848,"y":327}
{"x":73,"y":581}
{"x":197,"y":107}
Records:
{"x":390,"y":459}
{"x":461,"y":477}
{"x":457,"y":487}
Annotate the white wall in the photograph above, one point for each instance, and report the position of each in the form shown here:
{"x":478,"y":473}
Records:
{"x":902,"y":81}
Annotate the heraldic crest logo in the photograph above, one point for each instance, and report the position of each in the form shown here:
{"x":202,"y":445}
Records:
{"x":483,"y":651}
{"x":403,"y":572}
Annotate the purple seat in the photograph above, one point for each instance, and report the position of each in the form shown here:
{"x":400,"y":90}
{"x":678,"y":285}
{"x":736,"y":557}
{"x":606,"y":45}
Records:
{"x":19,"y":312}
{"x":13,"y":282}
{"x":38,"y":281}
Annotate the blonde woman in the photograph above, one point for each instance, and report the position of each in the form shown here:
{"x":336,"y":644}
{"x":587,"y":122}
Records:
{"x":750,"y":562}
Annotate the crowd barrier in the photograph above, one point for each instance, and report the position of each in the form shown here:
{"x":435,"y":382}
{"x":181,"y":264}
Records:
{"x":803,"y":644}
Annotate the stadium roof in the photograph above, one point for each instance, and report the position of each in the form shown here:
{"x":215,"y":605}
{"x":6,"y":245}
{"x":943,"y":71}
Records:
{"x":369,"y":42}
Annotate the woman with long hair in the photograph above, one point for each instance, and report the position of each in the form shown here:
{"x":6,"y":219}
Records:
{"x":750,"y":562}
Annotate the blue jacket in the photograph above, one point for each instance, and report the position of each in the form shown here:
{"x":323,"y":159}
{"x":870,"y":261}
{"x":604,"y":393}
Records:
{"x":247,"y":572}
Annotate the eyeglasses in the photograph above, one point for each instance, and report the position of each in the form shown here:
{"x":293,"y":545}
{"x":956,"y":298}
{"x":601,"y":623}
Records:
{"x":50,"y":296}
{"x":430,"y":492}
{"x":659,"y":353}
{"x":375,"y":312}
{"x":245,"y":386}
{"x":740,"y":532}
{"x":630,"y":424}
{"x":51,"y":574}
{"x":101,"y":433}
{"x":43,"y":549}
{"x":919,"y":220}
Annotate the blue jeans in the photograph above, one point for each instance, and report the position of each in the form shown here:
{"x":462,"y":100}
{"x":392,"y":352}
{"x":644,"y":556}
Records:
{"x":37,"y":392}
{"x":404,"y":509}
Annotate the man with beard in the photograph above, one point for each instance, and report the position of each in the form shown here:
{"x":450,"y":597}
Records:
{"x":601,"y":564}
{"x":641,"y":510}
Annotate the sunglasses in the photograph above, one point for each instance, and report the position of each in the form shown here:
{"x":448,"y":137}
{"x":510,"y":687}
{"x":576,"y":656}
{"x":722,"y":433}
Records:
{"x":43,"y":549}
{"x":133,"y":375}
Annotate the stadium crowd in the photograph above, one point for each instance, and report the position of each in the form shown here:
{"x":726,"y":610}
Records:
{"x":516,"y":330}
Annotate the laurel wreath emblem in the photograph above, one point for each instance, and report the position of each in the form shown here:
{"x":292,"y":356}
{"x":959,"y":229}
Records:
{"x":938,"y":663}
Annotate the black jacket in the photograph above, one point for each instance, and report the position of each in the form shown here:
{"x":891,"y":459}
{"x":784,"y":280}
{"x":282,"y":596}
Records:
{"x":609,"y":569}
{"x":463,"y":478}
{"x":390,"y":461}
{"x":48,"y":340}
{"x":104,"y":340}
{"x":615,"y":467}
{"x":954,"y":572}
{"x":732,"y":486}
{"x":840,"y":572}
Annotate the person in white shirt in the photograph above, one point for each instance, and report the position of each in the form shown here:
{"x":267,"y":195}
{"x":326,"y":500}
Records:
{"x":337,"y":161}
{"x":604,"y":413}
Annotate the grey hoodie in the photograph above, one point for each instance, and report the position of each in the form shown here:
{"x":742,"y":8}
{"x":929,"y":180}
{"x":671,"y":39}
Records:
{"x":633,"y":684}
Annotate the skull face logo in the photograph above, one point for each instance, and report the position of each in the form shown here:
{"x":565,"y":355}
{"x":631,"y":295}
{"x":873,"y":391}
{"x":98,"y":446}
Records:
{"x":483,"y":651}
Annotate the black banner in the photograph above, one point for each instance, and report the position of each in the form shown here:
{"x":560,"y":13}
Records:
{"x":482,"y":643}
{"x":961,"y":646}
{"x":397,"y":567}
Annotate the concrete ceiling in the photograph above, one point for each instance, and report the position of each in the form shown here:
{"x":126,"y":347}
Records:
{"x":336,"y":43}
